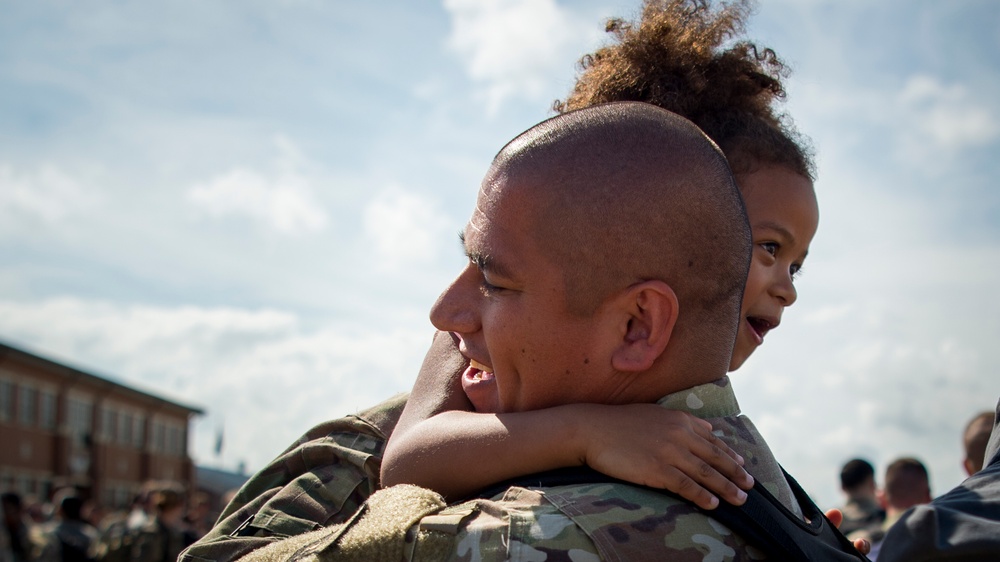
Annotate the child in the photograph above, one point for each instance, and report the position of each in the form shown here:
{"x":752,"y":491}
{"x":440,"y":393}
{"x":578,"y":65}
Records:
{"x":671,"y":58}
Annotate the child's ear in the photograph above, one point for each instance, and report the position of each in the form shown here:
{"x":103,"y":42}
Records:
{"x":649,"y":313}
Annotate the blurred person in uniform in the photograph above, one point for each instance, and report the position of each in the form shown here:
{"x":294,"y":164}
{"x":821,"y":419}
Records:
{"x":906,"y":485}
{"x":862,"y":510}
{"x":69,"y":538}
{"x":163,"y":537}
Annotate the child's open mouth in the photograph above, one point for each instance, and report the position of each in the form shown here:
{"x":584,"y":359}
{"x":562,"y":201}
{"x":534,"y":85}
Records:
{"x":760,"y":326}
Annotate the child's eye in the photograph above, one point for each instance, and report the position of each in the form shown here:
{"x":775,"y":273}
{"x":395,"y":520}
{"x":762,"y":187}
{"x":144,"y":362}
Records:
{"x":770,"y":247}
{"x":795,"y":270}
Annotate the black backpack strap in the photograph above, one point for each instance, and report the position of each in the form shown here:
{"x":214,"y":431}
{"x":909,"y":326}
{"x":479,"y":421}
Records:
{"x":763,"y":521}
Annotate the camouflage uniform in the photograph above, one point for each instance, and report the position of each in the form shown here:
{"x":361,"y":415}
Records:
{"x":320,"y":480}
{"x":863,"y":516}
{"x":584,"y":522}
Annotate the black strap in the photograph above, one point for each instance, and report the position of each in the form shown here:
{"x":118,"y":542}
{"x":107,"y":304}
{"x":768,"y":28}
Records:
{"x":763,"y":521}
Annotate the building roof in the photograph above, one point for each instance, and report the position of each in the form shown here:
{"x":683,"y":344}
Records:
{"x":218,"y":481}
{"x":18,"y":355}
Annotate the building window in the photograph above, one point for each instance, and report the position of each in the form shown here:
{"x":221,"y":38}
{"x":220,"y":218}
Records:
{"x":47,"y":410}
{"x":138,"y":439}
{"x":124,"y":428}
{"x":159,"y":438}
{"x":80,"y":414}
{"x":107,"y":430}
{"x":171,"y":440}
{"x":175,"y":440}
{"x":6,"y":400}
{"x":27,"y":406}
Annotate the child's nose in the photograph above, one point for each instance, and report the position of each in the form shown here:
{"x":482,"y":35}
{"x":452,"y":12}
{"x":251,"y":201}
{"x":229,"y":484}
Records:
{"x":454,"y":310}
{"x":784,"y":289}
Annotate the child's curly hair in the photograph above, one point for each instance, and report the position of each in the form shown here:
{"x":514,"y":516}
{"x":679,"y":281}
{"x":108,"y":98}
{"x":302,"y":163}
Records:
{"x":680,"y":56}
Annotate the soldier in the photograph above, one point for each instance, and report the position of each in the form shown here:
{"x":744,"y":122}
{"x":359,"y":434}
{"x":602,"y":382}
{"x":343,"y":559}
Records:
{"x":607,"y":256}
{"x":70,"y":538}
{"x":862,"y":510}
{"x":906,"y":485}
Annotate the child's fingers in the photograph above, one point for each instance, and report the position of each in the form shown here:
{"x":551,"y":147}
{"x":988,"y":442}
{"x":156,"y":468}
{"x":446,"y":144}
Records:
{"x":723,"y":459}
{"x":722,"y":482}
{"x":703,"y":429}
{"x":702,"y":474}
{"x":684,"y":486}
{"x":697,"y":489}
{"x":835,"y":516}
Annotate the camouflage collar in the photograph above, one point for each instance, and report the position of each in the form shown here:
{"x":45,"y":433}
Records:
{"x":711,"y":400}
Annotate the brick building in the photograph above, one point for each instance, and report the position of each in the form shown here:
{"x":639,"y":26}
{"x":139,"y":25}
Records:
{"x":62,"y":426}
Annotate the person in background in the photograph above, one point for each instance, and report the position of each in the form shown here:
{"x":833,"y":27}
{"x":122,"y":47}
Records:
{"x":862,"y":510}
{"x":163,"y":538}
{"x":199,"y":516}
{"x":974,"y":439}
{"x":906,"y":485}
{"x":69,"y":538}
{"x":15,"y":545}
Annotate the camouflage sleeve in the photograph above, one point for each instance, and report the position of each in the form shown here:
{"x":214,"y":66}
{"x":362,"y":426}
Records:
{"x":320,"y":480}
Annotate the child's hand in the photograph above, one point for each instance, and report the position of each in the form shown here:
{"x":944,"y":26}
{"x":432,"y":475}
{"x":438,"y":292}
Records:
{"x":653,"y":446}
{"x":837,"y":517}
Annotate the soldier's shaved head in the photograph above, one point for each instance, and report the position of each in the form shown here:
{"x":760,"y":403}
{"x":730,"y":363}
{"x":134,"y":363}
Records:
{"x":627,"y":192}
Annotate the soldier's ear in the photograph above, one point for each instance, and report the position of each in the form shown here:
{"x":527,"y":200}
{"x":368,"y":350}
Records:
{"x":648,"y":316}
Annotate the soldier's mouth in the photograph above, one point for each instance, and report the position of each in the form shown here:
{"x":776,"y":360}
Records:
{"x":478,"y":372}
{"x":480,"y":387}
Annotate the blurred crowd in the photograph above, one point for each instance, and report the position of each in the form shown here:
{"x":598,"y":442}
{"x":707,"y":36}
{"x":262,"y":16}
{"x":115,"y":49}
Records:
{"x":162,"y":520}
{"x":871,"y":509}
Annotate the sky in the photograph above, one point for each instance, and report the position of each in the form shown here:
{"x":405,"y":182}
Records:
{"x":249,"y":207}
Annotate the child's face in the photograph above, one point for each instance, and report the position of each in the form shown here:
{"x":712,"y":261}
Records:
{"x":783,"y":216}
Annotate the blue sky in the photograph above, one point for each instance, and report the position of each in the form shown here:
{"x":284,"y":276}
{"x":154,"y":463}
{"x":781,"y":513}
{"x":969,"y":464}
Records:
{"x":250,"y":206}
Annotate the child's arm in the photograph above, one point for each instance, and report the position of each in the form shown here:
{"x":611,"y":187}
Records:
{"x":457,"y":452}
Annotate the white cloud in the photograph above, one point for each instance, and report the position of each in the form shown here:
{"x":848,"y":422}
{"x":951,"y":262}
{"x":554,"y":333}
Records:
{"x":924,"y":123}
{"x":513,"y":47}
{"x":47,"y":193}
{"x":283,"y":201}
{"x":949,"y":115}
{"x":284,"y":204}
{"x":404,"y":228}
